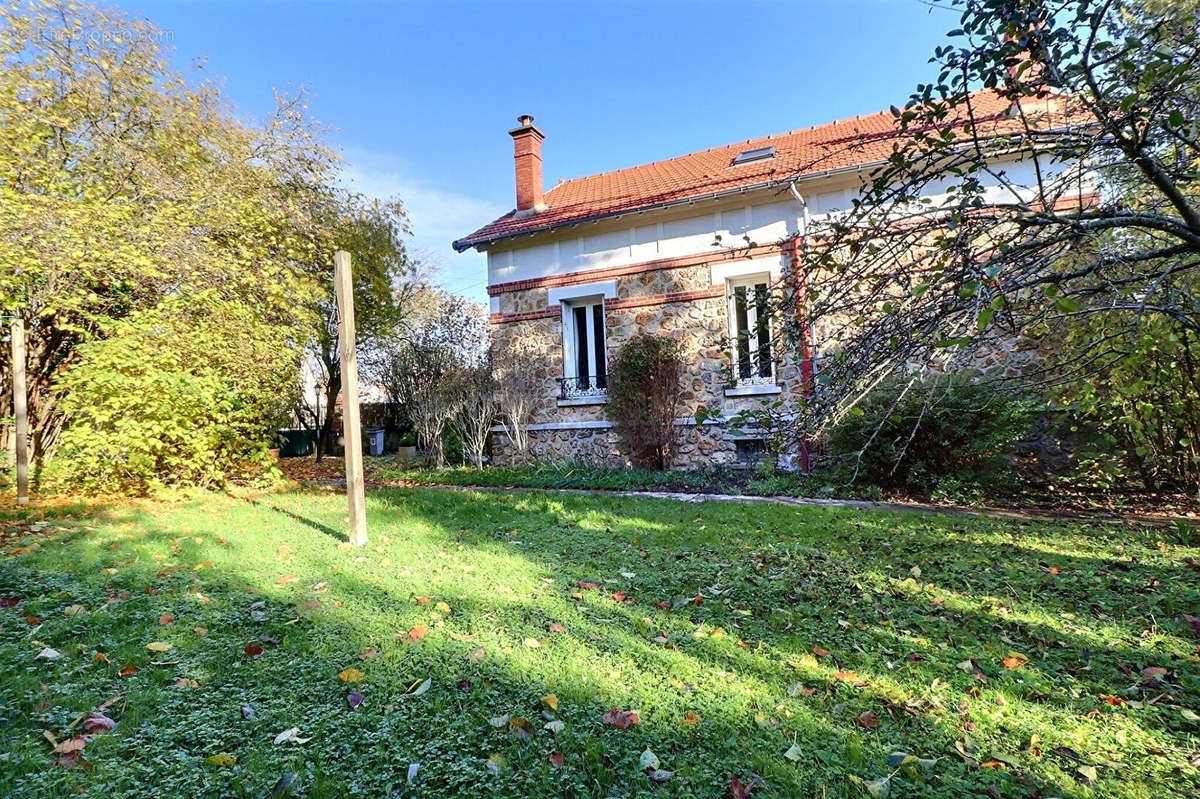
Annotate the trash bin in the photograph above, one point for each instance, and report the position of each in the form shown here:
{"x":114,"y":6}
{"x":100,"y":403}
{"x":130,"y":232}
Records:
{"x":374,"y":441}
{"x":295,"y":443}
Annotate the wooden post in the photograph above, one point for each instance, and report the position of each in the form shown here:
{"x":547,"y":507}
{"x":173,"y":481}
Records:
{"x":20,"y":409}
{"x":351,"y":428}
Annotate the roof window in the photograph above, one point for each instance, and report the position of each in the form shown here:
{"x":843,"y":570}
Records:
{"x":759,"y":154}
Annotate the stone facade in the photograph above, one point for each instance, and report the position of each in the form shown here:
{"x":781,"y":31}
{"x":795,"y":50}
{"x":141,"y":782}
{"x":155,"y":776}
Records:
{"x":676,"y":301}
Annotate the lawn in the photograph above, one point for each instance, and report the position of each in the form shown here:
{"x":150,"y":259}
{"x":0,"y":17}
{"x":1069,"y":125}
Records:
{"x":798,"y":649}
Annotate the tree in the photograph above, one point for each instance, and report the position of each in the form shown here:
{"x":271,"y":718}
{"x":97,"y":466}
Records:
{"x":384,"y":282}
{"x":1099,"y":99}
{"x":123,"y":187}
{"x":418,"y":364}
{"x":477,"y":411}
{"x":517,"y":389}
{"x":189,"y":392}
{"x":643,"y":391}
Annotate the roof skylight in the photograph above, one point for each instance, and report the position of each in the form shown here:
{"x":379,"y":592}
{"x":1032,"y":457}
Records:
{"x":759,"y":154}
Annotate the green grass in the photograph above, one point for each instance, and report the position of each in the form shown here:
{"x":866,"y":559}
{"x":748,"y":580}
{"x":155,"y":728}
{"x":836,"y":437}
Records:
{"x":1089,"y":606}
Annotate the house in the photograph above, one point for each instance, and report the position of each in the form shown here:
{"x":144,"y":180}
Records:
{"x":688,"y":247}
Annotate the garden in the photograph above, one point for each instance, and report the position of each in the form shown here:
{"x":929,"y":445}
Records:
{"x":527,"y":644}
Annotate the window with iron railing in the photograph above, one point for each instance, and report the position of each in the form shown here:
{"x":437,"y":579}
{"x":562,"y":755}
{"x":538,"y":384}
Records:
{"x":585,"y":368}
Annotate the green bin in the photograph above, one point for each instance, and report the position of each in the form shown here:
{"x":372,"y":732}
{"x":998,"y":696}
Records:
{"x":296,"y":443}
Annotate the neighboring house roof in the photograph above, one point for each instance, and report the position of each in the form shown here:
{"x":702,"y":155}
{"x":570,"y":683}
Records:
{"x":847,"y":143}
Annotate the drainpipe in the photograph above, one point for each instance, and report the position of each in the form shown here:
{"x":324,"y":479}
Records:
{"x":808,"y":347}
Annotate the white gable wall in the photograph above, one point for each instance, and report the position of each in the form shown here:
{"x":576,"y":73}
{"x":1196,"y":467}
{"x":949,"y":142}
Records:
{"x":637,"y":237}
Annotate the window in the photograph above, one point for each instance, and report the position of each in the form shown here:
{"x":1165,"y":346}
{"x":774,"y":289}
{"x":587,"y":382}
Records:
{"x":750,"y":330}
{"x":585,"y":372}
{"x":758,"y":154}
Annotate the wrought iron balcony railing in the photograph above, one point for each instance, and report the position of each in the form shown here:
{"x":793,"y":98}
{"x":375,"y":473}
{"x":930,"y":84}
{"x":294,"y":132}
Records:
{"x":587,"y":387}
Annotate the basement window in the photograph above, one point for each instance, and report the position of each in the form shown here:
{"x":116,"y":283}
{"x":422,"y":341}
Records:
{"x":750,"y":156}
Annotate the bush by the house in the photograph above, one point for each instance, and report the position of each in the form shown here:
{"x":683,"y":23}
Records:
{"x":643,"y":389}
{"x":176,"y":397}
{"x":941,"y":436}
{"x":1145,"y":406}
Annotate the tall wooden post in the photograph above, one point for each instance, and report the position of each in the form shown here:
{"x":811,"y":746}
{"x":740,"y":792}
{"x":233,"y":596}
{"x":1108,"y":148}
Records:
{"x":351,"y":427}
{"x":20,"y":409}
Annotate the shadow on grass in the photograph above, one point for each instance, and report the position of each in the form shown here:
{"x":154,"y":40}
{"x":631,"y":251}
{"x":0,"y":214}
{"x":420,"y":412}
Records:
{"x":490,"y":557}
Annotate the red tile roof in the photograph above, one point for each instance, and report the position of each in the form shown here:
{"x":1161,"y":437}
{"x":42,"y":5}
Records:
{"x":858,"y":141}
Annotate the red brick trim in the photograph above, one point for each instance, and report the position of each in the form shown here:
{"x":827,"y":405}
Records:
{"x":609,"y":272}
{"x":663,"y":299}
{"x":502,"y":318}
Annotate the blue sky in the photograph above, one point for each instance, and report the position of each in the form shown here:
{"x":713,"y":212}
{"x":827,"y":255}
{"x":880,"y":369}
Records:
{"x":420,"y":95}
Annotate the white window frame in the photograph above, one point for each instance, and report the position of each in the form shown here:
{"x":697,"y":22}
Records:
{"x":597,"y":356}
{"x":750,"y":283}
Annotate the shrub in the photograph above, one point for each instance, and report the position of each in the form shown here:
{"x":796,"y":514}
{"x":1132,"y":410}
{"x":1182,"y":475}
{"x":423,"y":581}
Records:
{"x":643,"y":389}
{"x":939,"y":435}
{"x":175,"y":397}
{"x":1144,"y":406}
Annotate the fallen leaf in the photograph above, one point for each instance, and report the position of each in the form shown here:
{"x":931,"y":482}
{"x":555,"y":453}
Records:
{"x":282,"y":786}
{"x":557,"y":628}
{"x":416,"y":634}
{"x":879,"y":788}
{"x":97,"y":723}
{"x":690,"y":718}
{"x":418,"y":688}
{"x":200,"y":631}
{"x":370,"y":653}
{"x":477,"y":654}
{"x":355,"y":699}
{"x":422,"y":600}
{"x":442,"y":607}
{"x":350,"y":675}
{"x":587,"y":586}
{"x":166,"y":618}
{"x":287,"y":578}
{"x":648,"y":761}
{"x":128,"y":671}
{"x":556,"y":726}
{"x":1014,"y":661}
{"x":621,"y":718}
{"x":186,"y":682}
{"x":499,"y":722}
{"x":521,"y":726}
{"x":550,"y":701}
{"x":291,"y":736}
{"x":661,"y":775}
{"x":794,"y":753}
{"x":253,"y":650}
{"x":496,"y":762}
{"x":531,"y":643}
{"x":1088,"y":773}
{"x":221,"y":761}
{"x":74,"y":610}
{"x":159,"y":646}
{"x":48,"y":654}
{"x":70,"y":745}
{"x":100,"y":657}
{"x":739,"y":789}
{"x":555,"y":758}
{"x":820,"y":651}
{"x":868,"y":720}
{"x":845,"y":676}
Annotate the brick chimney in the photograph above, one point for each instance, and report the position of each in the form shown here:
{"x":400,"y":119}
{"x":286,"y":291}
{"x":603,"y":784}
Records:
{"x":527,"y":152}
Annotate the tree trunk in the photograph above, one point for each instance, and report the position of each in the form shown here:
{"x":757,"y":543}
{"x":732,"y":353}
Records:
{"x":332,"y":388}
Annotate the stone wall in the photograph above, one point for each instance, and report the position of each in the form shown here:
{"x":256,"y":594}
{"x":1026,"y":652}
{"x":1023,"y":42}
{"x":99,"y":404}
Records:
{"x":677,"y":302}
